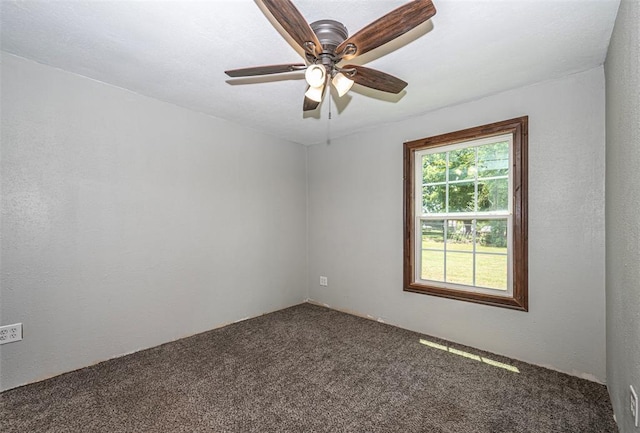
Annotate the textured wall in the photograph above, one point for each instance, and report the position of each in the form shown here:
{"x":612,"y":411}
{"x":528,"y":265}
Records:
{"x":127,"y":222}
{"x":622,"y":70}
{"x":355,"y":227}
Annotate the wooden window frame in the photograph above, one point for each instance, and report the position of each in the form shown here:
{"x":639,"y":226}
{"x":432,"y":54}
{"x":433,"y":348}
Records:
{"x":518,"y":127}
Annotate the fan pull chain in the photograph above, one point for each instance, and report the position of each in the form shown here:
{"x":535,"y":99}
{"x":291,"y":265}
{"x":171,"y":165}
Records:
{"x":329,"y":119}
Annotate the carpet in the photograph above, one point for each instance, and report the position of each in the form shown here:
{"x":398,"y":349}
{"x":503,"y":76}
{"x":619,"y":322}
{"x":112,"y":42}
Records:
{"x":309,"y":369}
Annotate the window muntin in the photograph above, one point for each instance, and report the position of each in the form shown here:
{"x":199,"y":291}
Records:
{"x":466,"y":214}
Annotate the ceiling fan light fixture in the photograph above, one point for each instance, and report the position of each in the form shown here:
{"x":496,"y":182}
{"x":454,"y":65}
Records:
{"x":315,"y":75}
{"x":315,"y":93}
{"x":342,"y":83}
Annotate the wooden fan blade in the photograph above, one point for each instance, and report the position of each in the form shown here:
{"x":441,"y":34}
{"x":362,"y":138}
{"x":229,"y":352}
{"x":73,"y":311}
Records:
{"x":376,"y":80}
{"x":293,"y":23}
{"x":388,"y":27}
{"x":265,"y":70}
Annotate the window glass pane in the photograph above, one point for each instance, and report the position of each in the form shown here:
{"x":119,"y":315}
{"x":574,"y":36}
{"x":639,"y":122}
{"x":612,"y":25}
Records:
{"x":491,"y":271}
{"x":460,"y":235}
{"x":433,"y":198}
{"x":491,"y":236}
{"x":432,"y":265}
{"x":434,"y":167}
{"x":493,"y":160}
{"x":433,"y":234}
{"x":460,"y":268}
{"x":462,"y":164}
{"x":493,"y":195}
{"x":461,"y":197}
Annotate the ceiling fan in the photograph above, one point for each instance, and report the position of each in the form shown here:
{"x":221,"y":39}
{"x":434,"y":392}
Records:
{"x":326,"y":44}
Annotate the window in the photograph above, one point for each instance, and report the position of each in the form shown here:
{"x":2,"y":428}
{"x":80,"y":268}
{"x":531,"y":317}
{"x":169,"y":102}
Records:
{"x":465,"y":233}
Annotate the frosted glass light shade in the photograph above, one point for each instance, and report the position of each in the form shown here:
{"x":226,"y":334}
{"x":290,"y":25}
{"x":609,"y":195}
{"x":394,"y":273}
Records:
{"x":315,"y":75}
{"x":315,"y":93}
{"x":342,"y":84}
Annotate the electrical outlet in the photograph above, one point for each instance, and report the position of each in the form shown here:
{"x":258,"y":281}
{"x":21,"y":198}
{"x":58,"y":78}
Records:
{"x":10,"y":333}
{"x":324,"y":282}
{"x":634,"y":405}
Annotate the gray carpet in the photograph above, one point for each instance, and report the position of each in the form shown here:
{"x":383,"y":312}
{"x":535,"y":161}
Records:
{"x":308,"y":369}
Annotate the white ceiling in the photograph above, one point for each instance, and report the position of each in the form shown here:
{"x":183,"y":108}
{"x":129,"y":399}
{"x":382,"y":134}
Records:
{"x":176,"y":51}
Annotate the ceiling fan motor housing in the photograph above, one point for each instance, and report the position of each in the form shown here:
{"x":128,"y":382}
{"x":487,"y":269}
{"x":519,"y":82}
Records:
{"x":330,"y":33}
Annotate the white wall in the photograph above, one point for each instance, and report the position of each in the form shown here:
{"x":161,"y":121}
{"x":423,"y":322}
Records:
{"x":622,"y":70}
{"x":128,"y":222}
{"x":355,"y":228}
